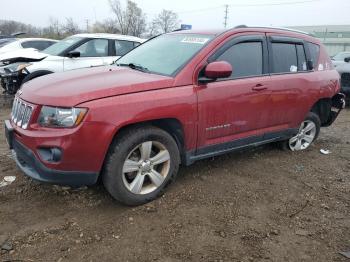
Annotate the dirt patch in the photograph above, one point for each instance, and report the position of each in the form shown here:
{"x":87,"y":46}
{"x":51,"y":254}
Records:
{"x":257,"y":205}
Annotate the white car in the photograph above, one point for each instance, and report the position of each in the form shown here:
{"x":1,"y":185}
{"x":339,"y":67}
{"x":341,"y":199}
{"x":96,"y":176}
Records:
{"x":78,"y":51}
{"x":13,"y":44}
{"x":338,"y":59}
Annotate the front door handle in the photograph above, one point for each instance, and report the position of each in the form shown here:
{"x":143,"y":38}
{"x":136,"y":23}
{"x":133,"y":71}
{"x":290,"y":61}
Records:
{"x":259,"y":87}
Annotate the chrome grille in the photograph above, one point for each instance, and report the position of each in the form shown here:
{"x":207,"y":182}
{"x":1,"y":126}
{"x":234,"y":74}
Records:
{"x":21,"y":113}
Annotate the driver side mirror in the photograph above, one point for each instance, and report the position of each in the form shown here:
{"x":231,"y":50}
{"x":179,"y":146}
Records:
{"x":347,"y":59}
{"x":215,"y":70}
{"x":73,"y":54}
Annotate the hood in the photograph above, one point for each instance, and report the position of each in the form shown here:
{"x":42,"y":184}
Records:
{"x":22,"y":55}
{"x":74,"y":87}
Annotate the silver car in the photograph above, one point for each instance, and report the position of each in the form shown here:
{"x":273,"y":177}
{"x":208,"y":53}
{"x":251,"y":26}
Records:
{"x":338,"y":59}
{"x":344,"y":71}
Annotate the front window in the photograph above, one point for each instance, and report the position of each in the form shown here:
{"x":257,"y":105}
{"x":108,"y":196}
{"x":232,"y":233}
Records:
{"x":166,"y":54}
{"x":93,"y":48}
{"x":58,"y":48}
{"x":245,"y":58}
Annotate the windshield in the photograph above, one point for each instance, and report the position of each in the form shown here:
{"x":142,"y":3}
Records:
{"x":59,"y":47}
{"x":341,"y":56}
{"x":165,"y":54}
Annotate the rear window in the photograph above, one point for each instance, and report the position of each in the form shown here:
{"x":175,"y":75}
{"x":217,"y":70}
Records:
{"x":284,"y":58}
{"x":288,"y":58}
{"x":123,"y":47}
{"x":302,"y":65}
{"x":314,"y":53}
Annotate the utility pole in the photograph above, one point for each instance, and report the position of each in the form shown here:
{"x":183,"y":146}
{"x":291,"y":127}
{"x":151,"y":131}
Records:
{"x":226,"y":16}
{"x":87,"y":25}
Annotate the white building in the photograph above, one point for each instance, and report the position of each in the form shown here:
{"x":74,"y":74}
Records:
{"x":336,"y":38}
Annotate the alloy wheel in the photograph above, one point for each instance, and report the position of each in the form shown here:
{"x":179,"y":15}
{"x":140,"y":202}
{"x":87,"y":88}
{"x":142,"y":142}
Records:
{"x":305,"y":136}
{"x":146,"y":167}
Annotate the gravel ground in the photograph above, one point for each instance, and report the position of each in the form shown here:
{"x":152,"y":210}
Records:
{"x":258,"y":205}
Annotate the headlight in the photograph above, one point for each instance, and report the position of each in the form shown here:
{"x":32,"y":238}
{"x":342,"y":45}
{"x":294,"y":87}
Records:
{"x":21,"y":67}
{"x":61,"y":117}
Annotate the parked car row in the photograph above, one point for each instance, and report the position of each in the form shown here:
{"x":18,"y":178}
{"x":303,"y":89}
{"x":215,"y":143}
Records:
{"x":78,"y":51}
{"x":341,"y":62}
{"x":4,"y":39}
{"x":14,"y":44}
{"x":175,"y":99}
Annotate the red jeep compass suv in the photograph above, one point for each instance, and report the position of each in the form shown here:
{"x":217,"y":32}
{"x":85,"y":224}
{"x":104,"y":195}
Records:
{"x":175,"y":99}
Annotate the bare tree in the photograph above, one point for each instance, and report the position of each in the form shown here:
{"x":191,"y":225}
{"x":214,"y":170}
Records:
{"x":130,"y":21}
{"x":166,"y":21}
{"x":107,"y":26}
{"x":8,"y":27}
{"x":70,"y":27}
{"x":136,"y":19}
{"x":53,"y":30}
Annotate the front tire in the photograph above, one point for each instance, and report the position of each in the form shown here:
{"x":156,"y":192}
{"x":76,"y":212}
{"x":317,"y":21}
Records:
{"x":141,"y":163}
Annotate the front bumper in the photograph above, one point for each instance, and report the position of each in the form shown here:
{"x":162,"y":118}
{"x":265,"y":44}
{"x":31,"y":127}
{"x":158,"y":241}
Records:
{"x":11,"y":82}
{"x":31,"y":166}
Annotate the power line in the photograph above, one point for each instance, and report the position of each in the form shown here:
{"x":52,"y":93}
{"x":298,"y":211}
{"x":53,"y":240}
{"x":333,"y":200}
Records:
{"x":248,"y":5}
{"x":272,"y":4}
{"x":200,"y":10}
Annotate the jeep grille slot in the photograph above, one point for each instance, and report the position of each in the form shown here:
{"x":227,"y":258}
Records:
{"x":21,"y":113}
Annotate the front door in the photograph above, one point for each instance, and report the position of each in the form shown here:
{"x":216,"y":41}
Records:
{"x":235,"y":111}
{"x":92,"y":54}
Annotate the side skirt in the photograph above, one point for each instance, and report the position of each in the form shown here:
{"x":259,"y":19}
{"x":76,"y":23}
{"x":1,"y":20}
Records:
{"x":236,"y":145}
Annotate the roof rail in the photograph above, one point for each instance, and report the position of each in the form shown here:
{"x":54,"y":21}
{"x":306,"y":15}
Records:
{"x":179,"y":29}
{"x":240,"y":26}
{"x":279,"y":28}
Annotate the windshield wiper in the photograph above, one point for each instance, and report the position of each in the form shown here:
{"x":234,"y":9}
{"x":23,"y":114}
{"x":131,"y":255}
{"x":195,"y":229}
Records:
{"x":135,"y":67}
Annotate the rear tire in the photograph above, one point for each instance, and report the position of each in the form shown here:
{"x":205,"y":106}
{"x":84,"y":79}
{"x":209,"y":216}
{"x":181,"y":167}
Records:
{"x":140,"y":164}
{"x":308,"y":133}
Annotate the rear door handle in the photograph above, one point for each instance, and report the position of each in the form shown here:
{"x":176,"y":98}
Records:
{"x":259,"y":87}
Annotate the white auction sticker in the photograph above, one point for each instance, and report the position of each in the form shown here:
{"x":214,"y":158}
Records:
{"x":195,"y":40}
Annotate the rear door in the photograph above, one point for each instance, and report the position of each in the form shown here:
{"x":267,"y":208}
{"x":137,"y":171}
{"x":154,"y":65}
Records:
{"x":92,"y":53}
{"x":290,"y":81}
{"x":236,"y":108}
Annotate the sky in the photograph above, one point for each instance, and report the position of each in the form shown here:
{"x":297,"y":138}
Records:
{"x":201,"y":14}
